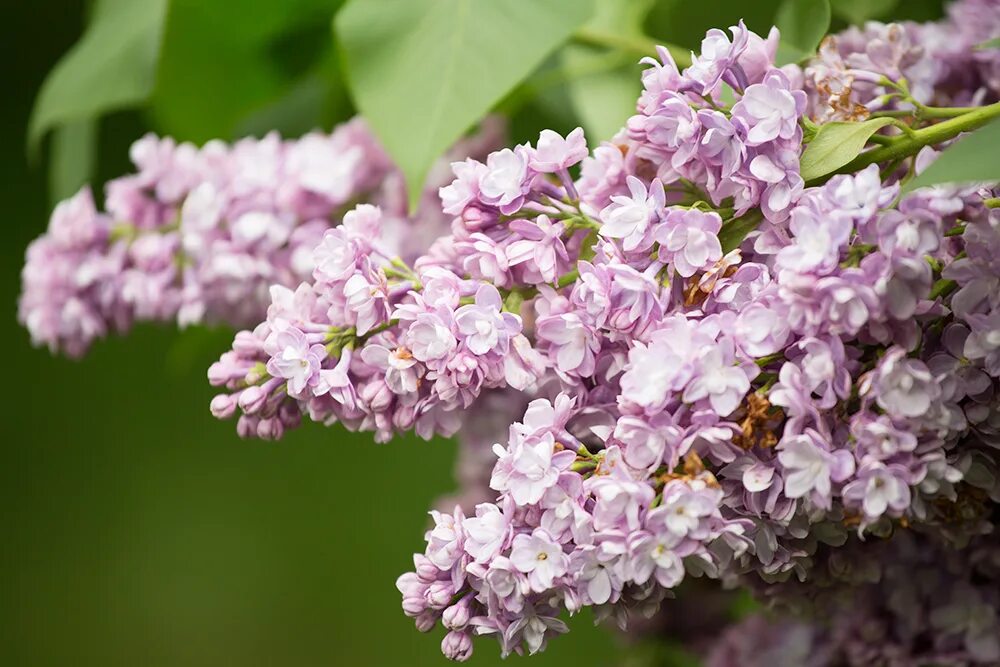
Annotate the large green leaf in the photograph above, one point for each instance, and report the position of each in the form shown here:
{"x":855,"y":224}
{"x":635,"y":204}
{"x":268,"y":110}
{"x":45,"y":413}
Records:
{"x":859,"y":11}
{"x":72,"y":157}
{"x":973,"y":158}
{"x":803,"y":24}
{"x":423,"y":71}
{"x":221,"y":64}
{"x":602,"y":86}
{"x":836,"y":144}
{"x":111,"y":67}
{"x":684,"y":22}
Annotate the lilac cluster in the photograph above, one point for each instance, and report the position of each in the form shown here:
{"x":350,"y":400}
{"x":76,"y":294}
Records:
{"x":941,"y":63}
{"x":379,"y":344}
{"x":729,"y":372}
{"x":570,"y":529}
{"x":201,"y":234}
{"x":905,"y":601}
{"x":738,"y":400}
{"x":685,"y":135}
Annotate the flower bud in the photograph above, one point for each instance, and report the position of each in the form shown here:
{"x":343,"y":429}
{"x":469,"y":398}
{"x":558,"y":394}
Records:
{"x":439,"y":594}
{"x":409,"y":585}
{"x":245,"y":343}
{"x":425,"y":569}
{"x":426,"y":621}
{"x":457,"y":615}
{"x":457,"y":646}
{"x":270,"y":429}
{"x":413,"y":606}
{"x":246,"y":426}
{"x":223,"y":406}
{"x":252,"y":399}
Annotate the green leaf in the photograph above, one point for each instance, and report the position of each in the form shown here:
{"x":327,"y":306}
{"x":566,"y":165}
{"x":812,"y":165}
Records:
{"x":989,"y":44}
{"x":111,"y":67}
{"x":302,"y":109}
{"x":423,"y":71}
{"x":603,"y":85}
{"x":734,"y":231}
{"x":803,"y":24}
{"x":72,"y":159}
{"x":221,"y":64}
{"x":972,"y":159}
{"x":836,"y":144}
{"x":859,"y":11}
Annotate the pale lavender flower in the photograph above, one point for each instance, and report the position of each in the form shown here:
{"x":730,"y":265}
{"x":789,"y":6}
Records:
{"x":689,"y":240}
{"x":770,"y":109}
{"x":506,"y":179}
{"x":630,"y":218}
{"x":540,"y":558}
{"x":483,"y":325}
{"x":553,"y":153}
{"x":813,"y":468}
{"x":878,"y":488}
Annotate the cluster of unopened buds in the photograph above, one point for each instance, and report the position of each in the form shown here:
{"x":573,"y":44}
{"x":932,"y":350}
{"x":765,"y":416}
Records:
{"x":729,"y":372}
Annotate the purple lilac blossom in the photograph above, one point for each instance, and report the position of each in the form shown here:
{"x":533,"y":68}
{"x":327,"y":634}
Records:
{"x":199,"y":235}
{"x":697,"y":409}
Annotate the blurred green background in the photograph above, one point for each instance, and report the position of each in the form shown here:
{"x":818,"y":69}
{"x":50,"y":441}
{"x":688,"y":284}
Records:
{"x":137,"y":530}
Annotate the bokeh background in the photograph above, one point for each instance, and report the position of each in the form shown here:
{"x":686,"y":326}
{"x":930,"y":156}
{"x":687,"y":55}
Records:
{"x":136,"y":529}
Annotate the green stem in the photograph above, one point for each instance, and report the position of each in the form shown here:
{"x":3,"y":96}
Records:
{"x":910,"y":145}
{"x":922,"y":112}
{"x":567,"y":279}
{"x":942,"y":288}
{"x":638,"y":44}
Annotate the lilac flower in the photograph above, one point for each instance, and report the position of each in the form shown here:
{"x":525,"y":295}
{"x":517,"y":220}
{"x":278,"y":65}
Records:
{"x":718,"y":380}
{"x":878,"y":487}
{"x":294,"y":359}
{"x":402,"y":374}
{"x":770,"y":109}
{"x":529,"y":467}
{"x":598,"y":576}
{"x":444,"y":541}
{"x":813,"y":467}
{"x":553,"y":153}
{"x":505,"y":181}
{"x":648,"y":443}
{"x":465,"y":188}
{"x":457,"y":646}
{"x":483,"y":325}
{"x":733,"y":416}
{"x":336,"y":257}
{"x":817,"y":242}
{"x":905,"y":387}
{"x":684,"y":509}
{"x":653,"y":555}
{"x":629,"y":218}
{"x":430,"y":338}
{"x":542,"y":245}
{"x":689,"y":240}
{"x":540,"y":558}
{"x":762,"y":328}
{"x":486,"y":533}
{"x":718,"y":54}
{"x":618,"y":500}
{"x":366,"y":296}
{"x":573,"y":342}
{"x":662,"y":366}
